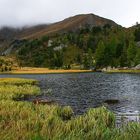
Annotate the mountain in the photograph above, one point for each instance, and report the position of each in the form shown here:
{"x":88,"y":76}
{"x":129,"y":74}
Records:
{"x":71,"y":24}
{"x":85,"y":41}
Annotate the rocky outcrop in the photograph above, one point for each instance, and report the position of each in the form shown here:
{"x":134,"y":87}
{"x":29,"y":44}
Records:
{"x":137,"y":67}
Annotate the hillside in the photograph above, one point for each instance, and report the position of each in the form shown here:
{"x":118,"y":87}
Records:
{"x":69,"y":24}
{"x":81,"y":42}
{"x":7,"y":34}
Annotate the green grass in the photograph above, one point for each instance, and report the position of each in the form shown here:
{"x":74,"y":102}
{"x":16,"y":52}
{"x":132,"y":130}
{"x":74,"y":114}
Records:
{"x":27,"y":121}
{"x":17,"y":81}
{"x":14,"y":91}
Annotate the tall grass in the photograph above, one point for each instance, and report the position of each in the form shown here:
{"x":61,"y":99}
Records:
{"x":17,"y":81}
{"x":14,"y":91}
{"x":27,"y":121}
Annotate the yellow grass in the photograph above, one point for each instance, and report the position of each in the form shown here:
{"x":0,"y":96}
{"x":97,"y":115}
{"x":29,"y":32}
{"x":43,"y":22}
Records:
{"x":17,"y":81}
{"x":29,"y":70}
{"x":123,"y":71}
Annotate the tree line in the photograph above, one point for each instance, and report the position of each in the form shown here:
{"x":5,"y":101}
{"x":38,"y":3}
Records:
{"x":90,"y":47}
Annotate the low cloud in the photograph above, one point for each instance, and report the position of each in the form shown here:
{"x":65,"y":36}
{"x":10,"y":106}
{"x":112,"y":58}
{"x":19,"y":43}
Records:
{"x":29,"y":12}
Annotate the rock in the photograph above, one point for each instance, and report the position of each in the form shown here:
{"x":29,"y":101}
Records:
{"x":50,"y":42}
{"x":137,"y":67}
{"x":138,"y":44}
{"x":112,"y":101}
{"x":109,"y":68}
{"x":43,"y":102}
{"x":104,"y":69}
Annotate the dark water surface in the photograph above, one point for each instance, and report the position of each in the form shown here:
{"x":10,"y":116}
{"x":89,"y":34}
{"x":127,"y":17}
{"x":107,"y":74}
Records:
{"x":85,"y":90}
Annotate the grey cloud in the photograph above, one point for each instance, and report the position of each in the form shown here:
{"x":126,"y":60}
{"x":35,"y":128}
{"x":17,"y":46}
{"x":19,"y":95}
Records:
{"x":27,"y":12}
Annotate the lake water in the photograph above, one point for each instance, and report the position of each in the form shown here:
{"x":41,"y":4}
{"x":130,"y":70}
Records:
{"x":82,"y":91}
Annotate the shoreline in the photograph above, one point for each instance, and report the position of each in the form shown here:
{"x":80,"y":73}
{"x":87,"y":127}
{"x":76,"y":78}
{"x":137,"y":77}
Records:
{"x":33,"y":70}
{"x":44,"y":71}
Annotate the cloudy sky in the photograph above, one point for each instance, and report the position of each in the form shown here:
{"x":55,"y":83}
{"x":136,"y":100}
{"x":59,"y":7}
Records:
{"x":28,"y":12}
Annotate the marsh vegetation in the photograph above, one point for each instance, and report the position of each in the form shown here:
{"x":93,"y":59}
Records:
{"x":27,"y":121}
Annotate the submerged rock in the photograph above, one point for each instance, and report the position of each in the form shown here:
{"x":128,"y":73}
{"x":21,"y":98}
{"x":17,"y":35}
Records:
{"x":112,"y":101}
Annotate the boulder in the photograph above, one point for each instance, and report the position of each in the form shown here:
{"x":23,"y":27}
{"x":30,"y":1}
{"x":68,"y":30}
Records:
{"x":137,"y":67}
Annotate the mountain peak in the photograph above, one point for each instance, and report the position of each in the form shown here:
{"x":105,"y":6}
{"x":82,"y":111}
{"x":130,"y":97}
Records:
{"x":71,"y":24}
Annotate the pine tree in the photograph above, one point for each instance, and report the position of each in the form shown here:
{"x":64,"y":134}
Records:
{"x":90,"y":58}
{"x":99,"y":54}
{"x":137,"y":58}
{"x":86,"y":62}
{"x":131,"y":53}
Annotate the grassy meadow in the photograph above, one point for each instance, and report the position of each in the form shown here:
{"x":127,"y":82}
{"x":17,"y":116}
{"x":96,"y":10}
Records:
{"x":27,"y":121}
{"x":34,"y":70}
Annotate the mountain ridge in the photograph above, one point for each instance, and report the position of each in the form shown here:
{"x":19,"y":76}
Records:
{"x":72,"y":24}
{"x":69,"y":24}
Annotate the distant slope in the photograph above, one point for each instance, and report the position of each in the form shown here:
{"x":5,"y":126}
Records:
{"x":26,"y":31}
{"x":7,"y":34}
{"x":69,"y":24}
